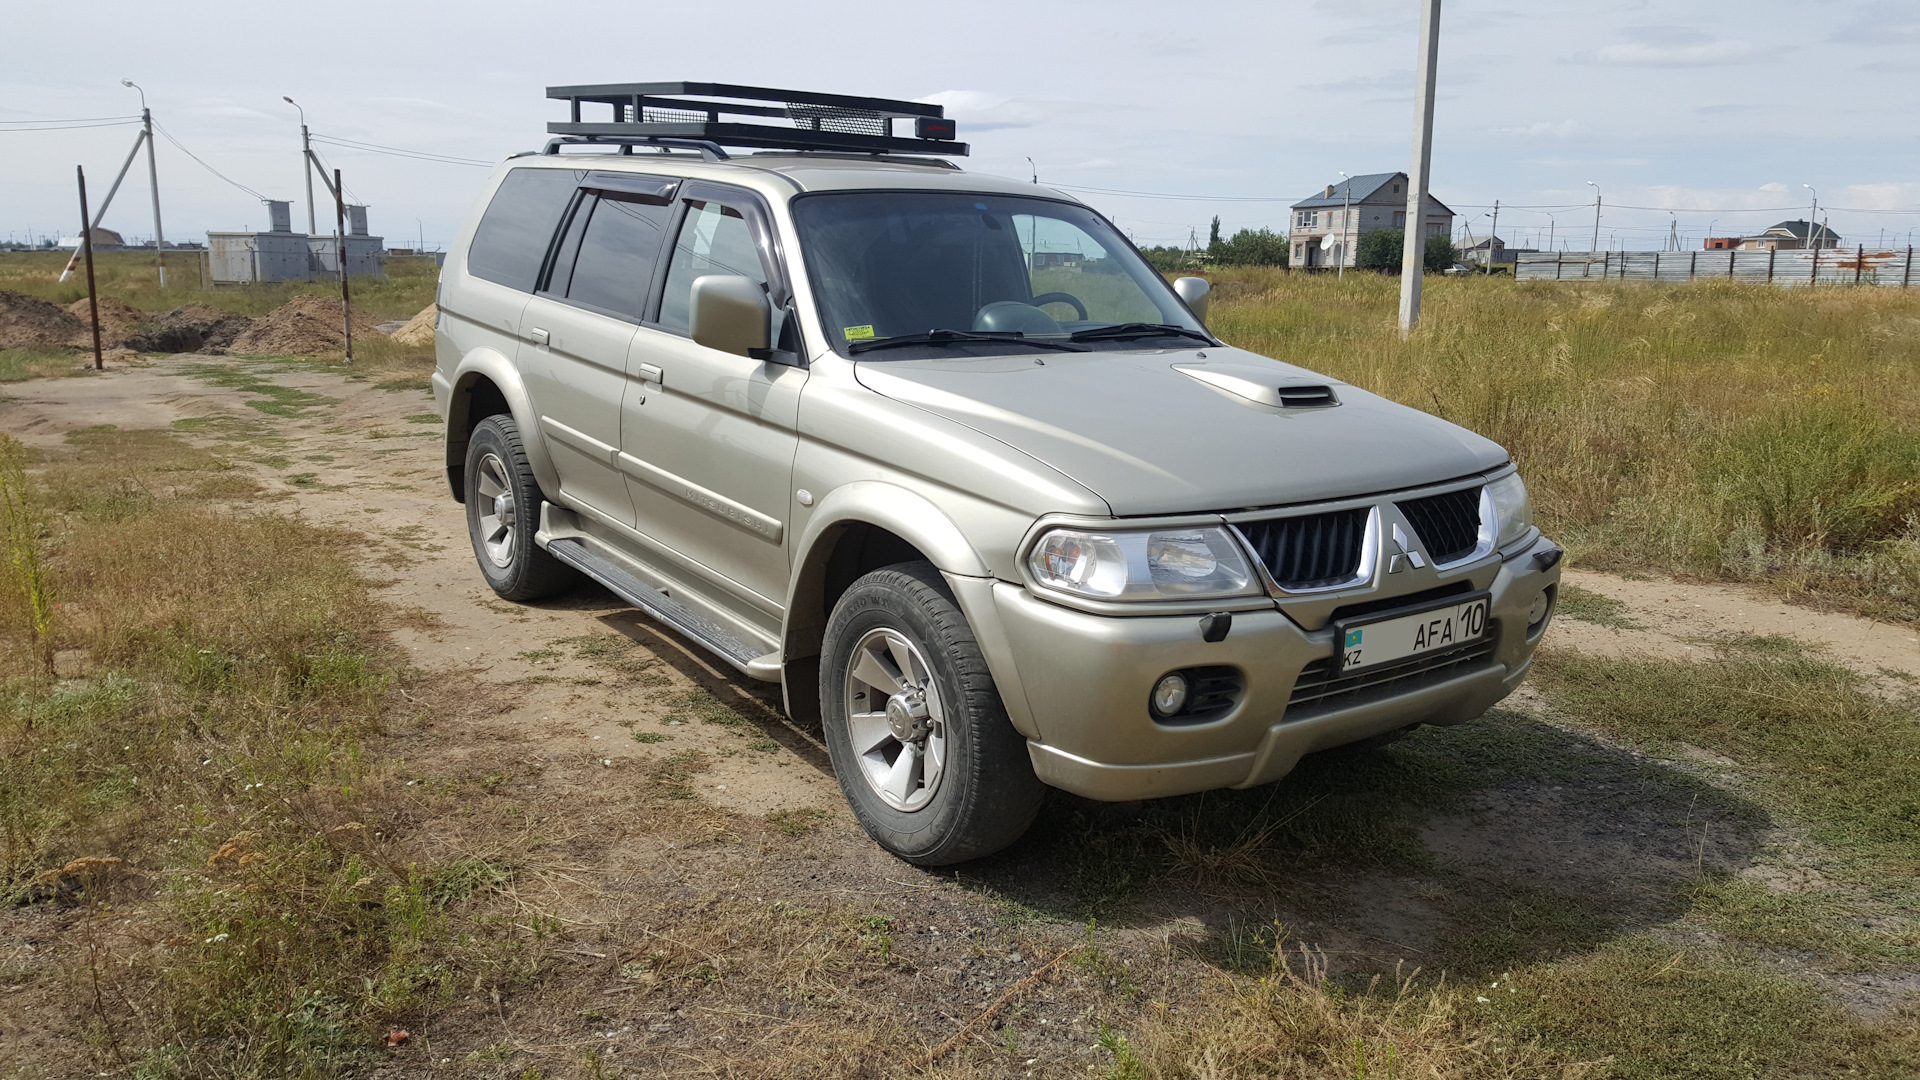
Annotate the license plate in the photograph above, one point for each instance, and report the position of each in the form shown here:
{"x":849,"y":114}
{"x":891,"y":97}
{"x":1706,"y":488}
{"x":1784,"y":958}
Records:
{"x":1433,"y":630}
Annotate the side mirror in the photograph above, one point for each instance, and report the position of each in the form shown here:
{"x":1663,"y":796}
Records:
{"x":1193,"y":293}
{"x":730,"y":312}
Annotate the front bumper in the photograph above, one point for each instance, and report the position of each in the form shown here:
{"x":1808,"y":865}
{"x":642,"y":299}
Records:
{"x":1083,"y":682}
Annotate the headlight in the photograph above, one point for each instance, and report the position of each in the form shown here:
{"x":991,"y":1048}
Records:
{"x":1512,"y":510}
{"x":1165,"y":564}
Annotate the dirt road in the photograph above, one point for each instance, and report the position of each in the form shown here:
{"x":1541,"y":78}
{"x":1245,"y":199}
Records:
{"x":554,"y":712}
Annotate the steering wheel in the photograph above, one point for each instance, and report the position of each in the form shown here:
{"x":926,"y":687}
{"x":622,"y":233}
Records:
{"x":1068,"y":299}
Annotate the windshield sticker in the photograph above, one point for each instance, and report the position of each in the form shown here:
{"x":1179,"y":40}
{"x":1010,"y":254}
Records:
{"x":855,"y":333}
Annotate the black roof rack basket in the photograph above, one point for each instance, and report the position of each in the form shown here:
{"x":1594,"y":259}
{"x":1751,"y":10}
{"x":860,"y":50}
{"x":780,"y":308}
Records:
{"x":688,"y":111}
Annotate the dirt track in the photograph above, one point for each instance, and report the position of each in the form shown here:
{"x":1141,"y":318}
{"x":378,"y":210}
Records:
{"x":535,"y":696}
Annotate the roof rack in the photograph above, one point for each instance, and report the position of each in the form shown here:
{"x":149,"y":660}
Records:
{"x":684,"y":113}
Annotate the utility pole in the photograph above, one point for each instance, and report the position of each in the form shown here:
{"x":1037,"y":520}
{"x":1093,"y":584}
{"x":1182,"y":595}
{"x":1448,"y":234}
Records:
{"x":1346,"y":211}
{"x":1493,"y":236}
{"x":153,"y":181}
{"x":1596,"y":216}
{"x":306,"y":162}
{"x":340,"y":253}
{"x":104,"y":203}
{"x":1813,"y":215}
{"x":1413,"y":252}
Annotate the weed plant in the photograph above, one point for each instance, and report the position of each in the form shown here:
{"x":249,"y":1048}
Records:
{"x":133,"y":278}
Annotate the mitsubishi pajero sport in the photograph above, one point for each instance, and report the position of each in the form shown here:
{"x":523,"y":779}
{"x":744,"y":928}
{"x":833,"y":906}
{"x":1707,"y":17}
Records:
{"x":943,"y":455}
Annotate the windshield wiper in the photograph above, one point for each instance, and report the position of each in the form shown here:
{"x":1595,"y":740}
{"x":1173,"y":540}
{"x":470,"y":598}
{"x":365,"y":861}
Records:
{"x":948,"y":337}
{"x":1122,"y":331}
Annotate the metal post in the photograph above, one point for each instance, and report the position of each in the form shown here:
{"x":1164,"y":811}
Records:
{"x":1693,"y":263}
{"x":340,"y":253}
{"x":1814,"y":278}
{"x":1413,"y":251}
{"x":153,"y":181}
{"x":1772,"y":254}
{"x":86,"y":245}
{"x":1907,"y":274}
{"x":1859,"y":260}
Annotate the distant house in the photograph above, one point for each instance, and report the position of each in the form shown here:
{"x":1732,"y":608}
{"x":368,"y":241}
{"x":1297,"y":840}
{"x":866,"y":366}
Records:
{"x":1477,"y":255}
{"x":1791,"y":236}
{"x":102,"y":238}
{"x":1327,"y":227}
{"x":1045,"y":259}
{"x":1721,"y":243}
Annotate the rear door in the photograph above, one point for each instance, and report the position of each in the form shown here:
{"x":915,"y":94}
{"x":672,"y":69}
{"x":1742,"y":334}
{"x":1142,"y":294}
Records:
{"x":708,"y":438}
{"x":579,"y":327}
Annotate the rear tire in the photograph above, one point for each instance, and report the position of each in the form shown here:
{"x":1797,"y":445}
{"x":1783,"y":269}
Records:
{"x":970,"y":789}
{"x":503,"y":513}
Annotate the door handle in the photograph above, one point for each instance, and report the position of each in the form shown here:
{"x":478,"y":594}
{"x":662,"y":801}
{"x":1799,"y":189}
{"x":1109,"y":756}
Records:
{"x":651,"y":373}
{"x":539,"y":335}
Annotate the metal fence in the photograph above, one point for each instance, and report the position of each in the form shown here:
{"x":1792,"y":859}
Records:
{"x":1816,"y":266}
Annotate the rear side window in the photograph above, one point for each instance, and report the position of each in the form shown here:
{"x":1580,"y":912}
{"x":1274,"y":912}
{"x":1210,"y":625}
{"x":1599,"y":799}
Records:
{"x":512,"y":239}
{"x":617,"y":253}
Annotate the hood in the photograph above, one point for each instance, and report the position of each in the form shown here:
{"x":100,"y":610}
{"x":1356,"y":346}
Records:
{"x":1169,"y":432}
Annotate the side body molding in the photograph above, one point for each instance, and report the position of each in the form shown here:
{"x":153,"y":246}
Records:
{"x":490,"y":365}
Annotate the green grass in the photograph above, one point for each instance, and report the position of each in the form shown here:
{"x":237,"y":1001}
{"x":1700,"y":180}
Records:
{"x":1574,"y":602}
{"x":1722,"y":430}
{"x":132,"y":277}
{"x":19,"y":365}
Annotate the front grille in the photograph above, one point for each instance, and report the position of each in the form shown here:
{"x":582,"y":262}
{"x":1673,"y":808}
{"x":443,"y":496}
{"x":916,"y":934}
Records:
{"x":1449,"y":524}
{"x":1304,"y":552}
{"x":1321,"y":687}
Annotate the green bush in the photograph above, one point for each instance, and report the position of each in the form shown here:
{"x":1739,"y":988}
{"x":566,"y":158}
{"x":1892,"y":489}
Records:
{"x":1382,"y":249}
{"x":1249,"y":247}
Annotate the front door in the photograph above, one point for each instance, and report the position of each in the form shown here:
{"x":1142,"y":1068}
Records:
{"x":708,"y":438}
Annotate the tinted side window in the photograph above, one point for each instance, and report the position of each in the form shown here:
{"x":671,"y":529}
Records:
{"x":514,"y":232}
{"x":714,"y":239}
{"x":617,"y":253}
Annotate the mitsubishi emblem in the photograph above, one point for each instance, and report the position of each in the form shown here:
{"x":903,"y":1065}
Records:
{"x":1404,"y":550}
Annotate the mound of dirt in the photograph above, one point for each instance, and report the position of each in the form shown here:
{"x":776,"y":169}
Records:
{"x":28,"y":322}
{"x":303,"y":326}
{"x":419,"y":329}
{"x":193,"y":328}
{"x":119,"y":321}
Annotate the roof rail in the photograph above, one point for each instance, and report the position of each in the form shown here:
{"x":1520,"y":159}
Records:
{"x":687,"y":113}
{"x":710,"y":151}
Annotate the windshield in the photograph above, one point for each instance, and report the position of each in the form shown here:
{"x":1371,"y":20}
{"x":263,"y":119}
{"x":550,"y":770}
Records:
{"x":910,"y":274}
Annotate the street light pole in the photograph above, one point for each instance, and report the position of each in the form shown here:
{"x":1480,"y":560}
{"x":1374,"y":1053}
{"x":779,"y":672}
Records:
{"x":1596,"y":216}
{"x":153,"y":181}
{"x":1813,"y":215}
{"x":306,"y":162}
{"x":1413,"y":251}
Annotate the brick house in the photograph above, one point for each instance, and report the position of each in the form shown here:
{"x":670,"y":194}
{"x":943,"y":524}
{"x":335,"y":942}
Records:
{"x":1375,"y":201}
{"x":1791,"y":236}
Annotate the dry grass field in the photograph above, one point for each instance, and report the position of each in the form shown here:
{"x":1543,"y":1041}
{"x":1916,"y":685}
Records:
{"x":279,"y":779}
{"x":1725,"y":431}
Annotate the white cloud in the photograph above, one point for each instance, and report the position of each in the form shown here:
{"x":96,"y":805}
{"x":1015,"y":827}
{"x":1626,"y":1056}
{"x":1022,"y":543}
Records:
{"x":1644,"y":54}
{"x":1544,"y":129}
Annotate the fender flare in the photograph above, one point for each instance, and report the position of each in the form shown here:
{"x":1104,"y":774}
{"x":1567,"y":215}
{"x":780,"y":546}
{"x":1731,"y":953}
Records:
{"x":918,"y":521}
{"x":491,"y":365}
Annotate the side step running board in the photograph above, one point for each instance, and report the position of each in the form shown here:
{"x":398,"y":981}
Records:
{"x":704,"y":631}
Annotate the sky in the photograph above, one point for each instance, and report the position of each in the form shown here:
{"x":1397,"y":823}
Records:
{"x":1693,"y":117}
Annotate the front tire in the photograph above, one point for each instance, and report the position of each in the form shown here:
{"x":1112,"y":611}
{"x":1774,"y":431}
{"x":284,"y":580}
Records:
{"x":503,"y":513}
{"x":919,"y":738}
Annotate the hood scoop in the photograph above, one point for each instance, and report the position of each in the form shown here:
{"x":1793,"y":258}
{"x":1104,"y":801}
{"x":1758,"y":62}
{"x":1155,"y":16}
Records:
{"x":1263,"y":386}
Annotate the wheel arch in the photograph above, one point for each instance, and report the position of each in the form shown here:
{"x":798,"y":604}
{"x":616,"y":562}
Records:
{"x":486,"y":384}
{"x":856,"y":529}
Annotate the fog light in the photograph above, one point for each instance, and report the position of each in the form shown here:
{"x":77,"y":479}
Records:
{"x":1538,"y":611}
{"x":1170,"y":694}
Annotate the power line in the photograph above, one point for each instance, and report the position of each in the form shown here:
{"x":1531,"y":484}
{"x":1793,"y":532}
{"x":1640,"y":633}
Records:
{"x":67,"y":125}
{"x":394,"y":151}
{"x":204,"y":165}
